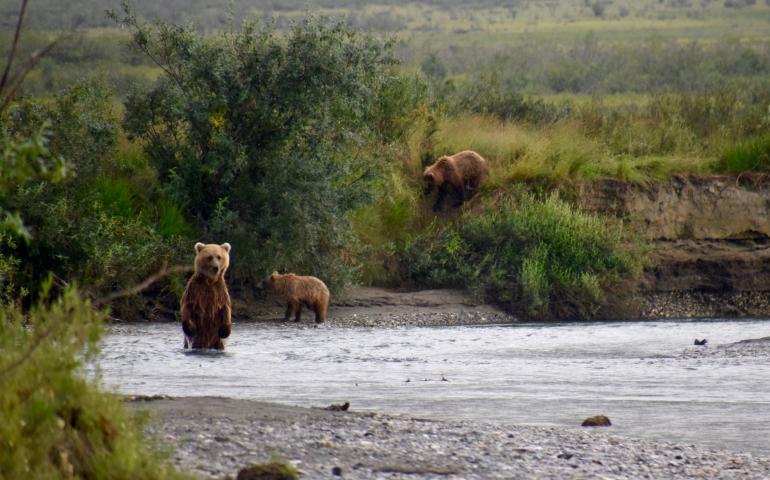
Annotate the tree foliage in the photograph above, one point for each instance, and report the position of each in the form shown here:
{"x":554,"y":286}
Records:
{"x":105,"y":224}
{"x":267,"y":141}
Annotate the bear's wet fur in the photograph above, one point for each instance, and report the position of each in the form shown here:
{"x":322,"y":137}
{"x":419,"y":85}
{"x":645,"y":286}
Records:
{"x":206,"y":305}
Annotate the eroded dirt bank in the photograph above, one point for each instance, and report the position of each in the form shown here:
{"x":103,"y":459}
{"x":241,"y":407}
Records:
{"x":710,"y":237}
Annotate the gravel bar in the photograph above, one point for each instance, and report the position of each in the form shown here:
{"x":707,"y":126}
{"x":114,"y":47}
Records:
{"x":214,"y":437}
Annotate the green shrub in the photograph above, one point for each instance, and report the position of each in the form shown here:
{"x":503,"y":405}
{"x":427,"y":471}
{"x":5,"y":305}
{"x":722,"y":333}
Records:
{"x":267,"y":141}
{"x":104,"y":225}
{"x":56,"y":424}
{"x":541,"y":258}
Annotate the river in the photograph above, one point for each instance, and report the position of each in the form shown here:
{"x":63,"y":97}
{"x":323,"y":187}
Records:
{"x":646,"y":376}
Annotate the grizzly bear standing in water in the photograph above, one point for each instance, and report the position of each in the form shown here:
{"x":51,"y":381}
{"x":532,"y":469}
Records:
{"x":298,"y":291}
{"x":206,"y":301}
{"x":459,"y":175}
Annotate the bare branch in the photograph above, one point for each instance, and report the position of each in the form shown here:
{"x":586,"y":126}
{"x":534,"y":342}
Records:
{"x":164,"y":271}
{"x":14,"y":45}
{"x":19,"y":76}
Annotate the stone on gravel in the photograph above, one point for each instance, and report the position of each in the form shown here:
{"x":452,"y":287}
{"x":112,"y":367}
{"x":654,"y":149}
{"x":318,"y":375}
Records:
{"x":370,"y":446}
{"x":338,"y":407}
{"x":268,"y":471}
{"x":597,"y":421}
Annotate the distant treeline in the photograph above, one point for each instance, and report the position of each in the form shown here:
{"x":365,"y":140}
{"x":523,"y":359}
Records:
{"x":468,"y":70}
{"x":593,"y":67}
{"x":373,"y":15}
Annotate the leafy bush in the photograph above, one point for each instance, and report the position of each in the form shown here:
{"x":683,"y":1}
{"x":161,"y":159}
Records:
{"x":268,"y":142}
{"x":55,"y":423}
{"x":105,"y":224}
{"x":541,"y":258}
{"x":79,"y":237}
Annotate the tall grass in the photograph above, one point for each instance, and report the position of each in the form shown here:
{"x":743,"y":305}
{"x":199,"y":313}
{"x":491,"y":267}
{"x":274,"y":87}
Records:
{"x":642,"y":140}
{"x":518,"y":152}
{"x":748,"y":156}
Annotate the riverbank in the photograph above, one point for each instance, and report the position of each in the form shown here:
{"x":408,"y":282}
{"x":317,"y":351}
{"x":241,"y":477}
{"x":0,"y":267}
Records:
{"x":379,"y":307}
{"x":214,"y":437}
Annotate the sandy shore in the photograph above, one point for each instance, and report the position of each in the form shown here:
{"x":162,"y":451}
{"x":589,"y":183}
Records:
{"x":215,"y":437}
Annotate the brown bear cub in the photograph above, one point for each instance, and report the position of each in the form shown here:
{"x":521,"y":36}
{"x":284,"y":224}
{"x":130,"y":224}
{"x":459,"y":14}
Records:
{"x":298,"y":291}
{"x":459,"y":175}
{"x":206,"y":302}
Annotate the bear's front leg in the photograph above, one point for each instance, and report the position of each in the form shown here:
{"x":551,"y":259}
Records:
{"x":289,"y":311}
{"x":459,"y":197}
{"x":299,"y":312}
{"x":439,"y":198}
{"x":188,"y":328}
{"x":225,"y":322}
{"x":224,"y":331}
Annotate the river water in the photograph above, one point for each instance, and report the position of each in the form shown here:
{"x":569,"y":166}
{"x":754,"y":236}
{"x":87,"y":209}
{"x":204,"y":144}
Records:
{"x":646,"y":376}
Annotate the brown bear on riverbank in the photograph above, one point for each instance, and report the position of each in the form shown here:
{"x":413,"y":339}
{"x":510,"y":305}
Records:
{"x":206,"y":302}
{"x":298,"y":291}
{"x":459,"y":175}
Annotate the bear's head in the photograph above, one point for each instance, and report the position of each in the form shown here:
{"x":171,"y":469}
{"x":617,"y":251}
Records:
{"x":212,"y":260}
{"x":433,"y":176}
{"x":271,"y":280}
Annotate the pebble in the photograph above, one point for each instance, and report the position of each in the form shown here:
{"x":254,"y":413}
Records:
{"x":458,"y":449}
{"x":420,"y":317}
{"x":700,"y":304}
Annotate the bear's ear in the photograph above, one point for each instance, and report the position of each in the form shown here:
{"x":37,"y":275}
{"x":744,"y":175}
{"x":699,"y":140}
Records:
{"x":198,"y":247}
{"x":226,"y":246}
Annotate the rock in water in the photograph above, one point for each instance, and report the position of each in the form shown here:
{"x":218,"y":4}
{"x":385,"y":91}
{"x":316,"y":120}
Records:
{"x":597,"y":421}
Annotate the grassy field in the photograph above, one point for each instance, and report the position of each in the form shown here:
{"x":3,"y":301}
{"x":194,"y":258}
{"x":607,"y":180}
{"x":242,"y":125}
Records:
{"x":465,"y":37}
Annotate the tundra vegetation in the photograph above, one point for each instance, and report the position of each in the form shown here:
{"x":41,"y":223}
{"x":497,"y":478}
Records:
{"x":300,"y":137}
